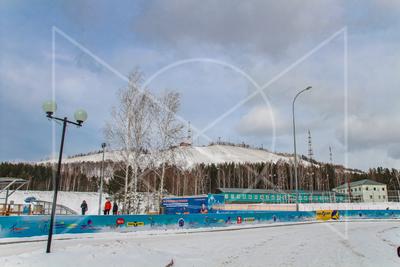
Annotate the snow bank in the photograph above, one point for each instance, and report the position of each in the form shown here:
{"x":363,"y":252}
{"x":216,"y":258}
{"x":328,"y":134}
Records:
{"x":71,"y":200}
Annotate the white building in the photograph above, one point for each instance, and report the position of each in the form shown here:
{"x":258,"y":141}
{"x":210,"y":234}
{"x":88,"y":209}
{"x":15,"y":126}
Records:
{"x":364,"y":191}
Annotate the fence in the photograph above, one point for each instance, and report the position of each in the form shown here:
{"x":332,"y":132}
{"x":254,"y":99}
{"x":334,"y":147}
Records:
{"x":283,"y":197}
{"x":25,"y":226}
{"x":11,"y":209}
{"x":237,"y":197}
{"x":394,"y":195}
{"x":39,"y":208}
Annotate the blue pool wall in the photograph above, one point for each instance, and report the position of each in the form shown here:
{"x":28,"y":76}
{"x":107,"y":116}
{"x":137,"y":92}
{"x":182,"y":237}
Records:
{"x":27,"y":226}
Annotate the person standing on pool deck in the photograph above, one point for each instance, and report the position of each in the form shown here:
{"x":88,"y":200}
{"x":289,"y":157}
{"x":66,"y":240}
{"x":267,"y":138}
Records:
{"x":84,"y":207}
{"x":115,"y":208}
{"x":107,"y":207}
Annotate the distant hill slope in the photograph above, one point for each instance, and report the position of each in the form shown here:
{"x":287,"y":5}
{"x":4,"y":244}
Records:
{"x":190,"y":156}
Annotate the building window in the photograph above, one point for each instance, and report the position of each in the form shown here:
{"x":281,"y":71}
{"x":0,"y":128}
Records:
{"x":379,"y":197}
{"x":384,"y":197}
{"x":351,"y":190}
{"x":374,"y":188}
{"x":370,"y":196}
{"x":383,"y":189}
{"x":256,"y":197}
{"x":366,"y":188}
{"x":238,"y":196}
{"x":226,"y":196}
{"x":359,"y":189}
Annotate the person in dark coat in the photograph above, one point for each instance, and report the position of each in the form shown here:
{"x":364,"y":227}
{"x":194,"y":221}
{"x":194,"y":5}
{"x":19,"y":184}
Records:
{"x":115,"y":208}
{"x":84,"y":207}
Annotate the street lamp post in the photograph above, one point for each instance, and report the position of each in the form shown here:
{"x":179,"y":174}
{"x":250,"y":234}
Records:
{"x":103,"y":145}
{"x":80,"y":116}
{"x":295,"y":150}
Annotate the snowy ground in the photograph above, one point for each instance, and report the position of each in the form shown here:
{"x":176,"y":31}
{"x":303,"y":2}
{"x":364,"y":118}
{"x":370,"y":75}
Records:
{"x":369,"y":243}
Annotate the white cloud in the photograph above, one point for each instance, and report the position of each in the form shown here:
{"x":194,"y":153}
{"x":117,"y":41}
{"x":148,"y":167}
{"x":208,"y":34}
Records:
{"x":259,"y":121}
{"x":369,"y":132}
{"x":264,"y":26}
{"x":394,"y":151}
{"x":262,"y":37}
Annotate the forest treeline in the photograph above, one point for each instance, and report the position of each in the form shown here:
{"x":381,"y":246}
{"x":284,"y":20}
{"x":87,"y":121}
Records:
{"x":201,"y":179}
{"x":40,"y":177}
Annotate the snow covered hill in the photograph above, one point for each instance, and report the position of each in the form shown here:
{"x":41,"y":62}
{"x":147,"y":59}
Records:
{"x":189,"y":156}
{"x":221,"y":153}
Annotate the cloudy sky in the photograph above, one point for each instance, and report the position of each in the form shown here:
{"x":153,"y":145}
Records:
{"x":237,"y":65}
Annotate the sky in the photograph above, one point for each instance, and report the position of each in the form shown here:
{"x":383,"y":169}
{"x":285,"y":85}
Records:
{"x":236,"y":64}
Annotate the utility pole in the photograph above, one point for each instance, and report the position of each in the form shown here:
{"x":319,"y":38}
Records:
{"x":310,"y":157}
{"x":189,"y":136}
{"x":310,"y":150}
{"x":295,"y":148}
{"x":333,"y":169}
{"x":103,"y":146}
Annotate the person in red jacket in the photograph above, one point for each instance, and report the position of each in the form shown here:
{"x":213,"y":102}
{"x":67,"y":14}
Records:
{"x":107,"y":207}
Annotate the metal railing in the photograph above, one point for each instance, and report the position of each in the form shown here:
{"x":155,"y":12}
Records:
{"x":38,"y":208}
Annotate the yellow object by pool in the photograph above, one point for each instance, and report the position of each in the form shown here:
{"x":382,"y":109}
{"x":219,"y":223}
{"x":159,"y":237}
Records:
{"x":326,"y":215}
{"x":72,"y":225}
{"x":134,"y":224}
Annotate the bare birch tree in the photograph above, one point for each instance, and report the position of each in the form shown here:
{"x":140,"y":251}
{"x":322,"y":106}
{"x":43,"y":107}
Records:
{"x":168,"y":131}
{"x":129,"y":132}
